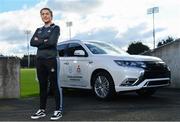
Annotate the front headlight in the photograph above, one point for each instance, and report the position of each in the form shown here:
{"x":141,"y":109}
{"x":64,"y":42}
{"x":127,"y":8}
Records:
{"x":139,"y":64}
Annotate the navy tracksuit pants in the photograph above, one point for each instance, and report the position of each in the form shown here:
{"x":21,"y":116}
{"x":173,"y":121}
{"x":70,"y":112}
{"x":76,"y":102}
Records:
{"x":48,"y":71}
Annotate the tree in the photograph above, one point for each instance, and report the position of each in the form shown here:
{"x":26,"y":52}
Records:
{"x":159,"y":44}
{"x":169,"y":39}
{"x":163,"y":42}
{"x":137,"y":48}
{"x":24,"y":61}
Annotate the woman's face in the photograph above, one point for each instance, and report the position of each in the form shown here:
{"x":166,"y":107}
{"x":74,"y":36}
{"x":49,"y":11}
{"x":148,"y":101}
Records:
{"x":46,"y":16}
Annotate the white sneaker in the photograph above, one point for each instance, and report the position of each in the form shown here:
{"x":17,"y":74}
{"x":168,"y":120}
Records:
{"x":39,"y":114}
{"x":57,"y":115}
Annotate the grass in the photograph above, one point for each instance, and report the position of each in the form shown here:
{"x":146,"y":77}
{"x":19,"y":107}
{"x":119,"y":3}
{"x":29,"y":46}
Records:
{"x":28,"y":83}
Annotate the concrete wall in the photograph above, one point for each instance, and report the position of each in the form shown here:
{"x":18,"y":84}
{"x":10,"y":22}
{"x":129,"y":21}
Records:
{"x":170,"y":54}
{"x":9,"y":77}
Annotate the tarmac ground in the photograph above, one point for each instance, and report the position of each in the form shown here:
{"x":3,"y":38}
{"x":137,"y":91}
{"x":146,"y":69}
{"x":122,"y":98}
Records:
{"x":81,"y":105}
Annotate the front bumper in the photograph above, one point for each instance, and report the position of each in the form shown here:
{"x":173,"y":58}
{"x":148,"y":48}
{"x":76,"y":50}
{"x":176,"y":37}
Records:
{"x":148,"y":83}
{"x":154,"y":76}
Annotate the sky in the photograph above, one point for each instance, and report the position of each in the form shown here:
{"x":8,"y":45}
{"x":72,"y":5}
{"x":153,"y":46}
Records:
{"x":120,"y":22}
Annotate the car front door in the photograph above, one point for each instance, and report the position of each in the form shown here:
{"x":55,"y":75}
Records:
{"x":75,"y":68}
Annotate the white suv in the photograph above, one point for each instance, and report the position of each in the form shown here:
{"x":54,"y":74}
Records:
{"x":106,"y":69}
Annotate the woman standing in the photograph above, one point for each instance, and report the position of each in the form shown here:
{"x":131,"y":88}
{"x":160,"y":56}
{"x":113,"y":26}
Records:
{"x":45,"y":39}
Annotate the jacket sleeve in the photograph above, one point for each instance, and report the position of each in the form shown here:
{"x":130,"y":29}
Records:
{"x":35,"y":40}
{"x":52,"y":40}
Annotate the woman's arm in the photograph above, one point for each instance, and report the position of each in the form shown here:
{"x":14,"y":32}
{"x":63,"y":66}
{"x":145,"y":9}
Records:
{"x":52,"y":40}
{"x":35,"y":41}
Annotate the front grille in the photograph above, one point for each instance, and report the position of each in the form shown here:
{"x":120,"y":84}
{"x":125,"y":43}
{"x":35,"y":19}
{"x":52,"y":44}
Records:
{"x":156,"y":70}
{"x":156,"y":66}
{"x":149,"y":74}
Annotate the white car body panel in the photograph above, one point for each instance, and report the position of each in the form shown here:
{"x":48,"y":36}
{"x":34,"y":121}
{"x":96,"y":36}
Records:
{"x":76,"y":72}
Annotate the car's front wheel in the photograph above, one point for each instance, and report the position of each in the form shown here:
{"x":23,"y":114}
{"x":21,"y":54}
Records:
{"x":103,"y":85}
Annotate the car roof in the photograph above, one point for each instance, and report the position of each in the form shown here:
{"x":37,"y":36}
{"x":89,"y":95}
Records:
{"x":68,"y":41}
{"x":77,"y":40}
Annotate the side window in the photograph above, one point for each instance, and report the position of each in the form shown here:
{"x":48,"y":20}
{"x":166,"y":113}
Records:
{"x":62,"y":50}
{"x":75,"y":46}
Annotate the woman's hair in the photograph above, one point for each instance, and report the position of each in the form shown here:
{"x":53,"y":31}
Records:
{"x":48,"y":10}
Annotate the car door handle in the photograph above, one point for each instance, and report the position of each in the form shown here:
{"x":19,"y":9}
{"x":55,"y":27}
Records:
{"x":66,"y":63}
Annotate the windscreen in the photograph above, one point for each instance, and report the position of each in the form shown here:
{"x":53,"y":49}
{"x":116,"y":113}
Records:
{"x":103,"y":48}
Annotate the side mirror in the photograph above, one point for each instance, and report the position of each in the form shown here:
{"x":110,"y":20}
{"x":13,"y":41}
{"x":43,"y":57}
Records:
{"x":79,"y":53}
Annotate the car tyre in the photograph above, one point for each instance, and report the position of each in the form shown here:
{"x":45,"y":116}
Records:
{"x":103,"y":86}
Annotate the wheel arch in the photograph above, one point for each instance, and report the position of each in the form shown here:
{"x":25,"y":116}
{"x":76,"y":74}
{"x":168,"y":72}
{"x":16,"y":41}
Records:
{"x":97,"y":71}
